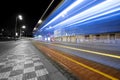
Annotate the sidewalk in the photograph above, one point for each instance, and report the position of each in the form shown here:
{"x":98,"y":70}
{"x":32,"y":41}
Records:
{"x":25,"y":62}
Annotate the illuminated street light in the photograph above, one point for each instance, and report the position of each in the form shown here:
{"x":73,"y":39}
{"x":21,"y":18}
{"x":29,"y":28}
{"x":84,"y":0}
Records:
{"x":23,"y":27}
{"x":20,"y":18}
{"x":40,"y":21}
{"x":2,"y":31}
{"x":35,"y":28}
{"x":16,"y":34}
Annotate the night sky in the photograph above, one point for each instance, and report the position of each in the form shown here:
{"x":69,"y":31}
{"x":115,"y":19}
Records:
{"x":31,"y":10}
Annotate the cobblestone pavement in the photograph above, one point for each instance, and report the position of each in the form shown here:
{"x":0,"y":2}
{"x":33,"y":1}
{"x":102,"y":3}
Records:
{"x":22,"y":63}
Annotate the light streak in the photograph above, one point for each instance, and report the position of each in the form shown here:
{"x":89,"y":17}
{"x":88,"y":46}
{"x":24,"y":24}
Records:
{"x":83,"y":65}
{"x":77,"y":2}
{"x":104,"y":8}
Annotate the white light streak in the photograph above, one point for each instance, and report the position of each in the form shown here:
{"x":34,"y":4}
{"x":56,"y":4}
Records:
{"x":104,"y":8}
{"x":77,"y":2}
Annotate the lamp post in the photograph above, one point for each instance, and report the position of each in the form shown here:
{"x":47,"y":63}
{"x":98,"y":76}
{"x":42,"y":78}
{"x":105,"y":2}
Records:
{"x":23,"y":27}
{"x":20,"y":18}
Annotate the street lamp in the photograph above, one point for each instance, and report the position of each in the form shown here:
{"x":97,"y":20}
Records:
{"x":23,"y":27}
{"x":20,"y":18}
{"x":40,"y":21}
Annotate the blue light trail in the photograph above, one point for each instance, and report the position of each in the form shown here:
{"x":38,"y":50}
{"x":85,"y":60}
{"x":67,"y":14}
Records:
{"x":81,"y":13}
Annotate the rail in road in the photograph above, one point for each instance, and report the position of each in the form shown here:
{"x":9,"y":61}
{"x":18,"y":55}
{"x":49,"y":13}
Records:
{"x":83,"y":69}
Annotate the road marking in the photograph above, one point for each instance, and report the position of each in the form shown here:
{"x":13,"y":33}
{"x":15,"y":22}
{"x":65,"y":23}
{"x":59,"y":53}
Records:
{"x":90,"y":68}
{"x":88,"y":51}
{"x":87,"y":67}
